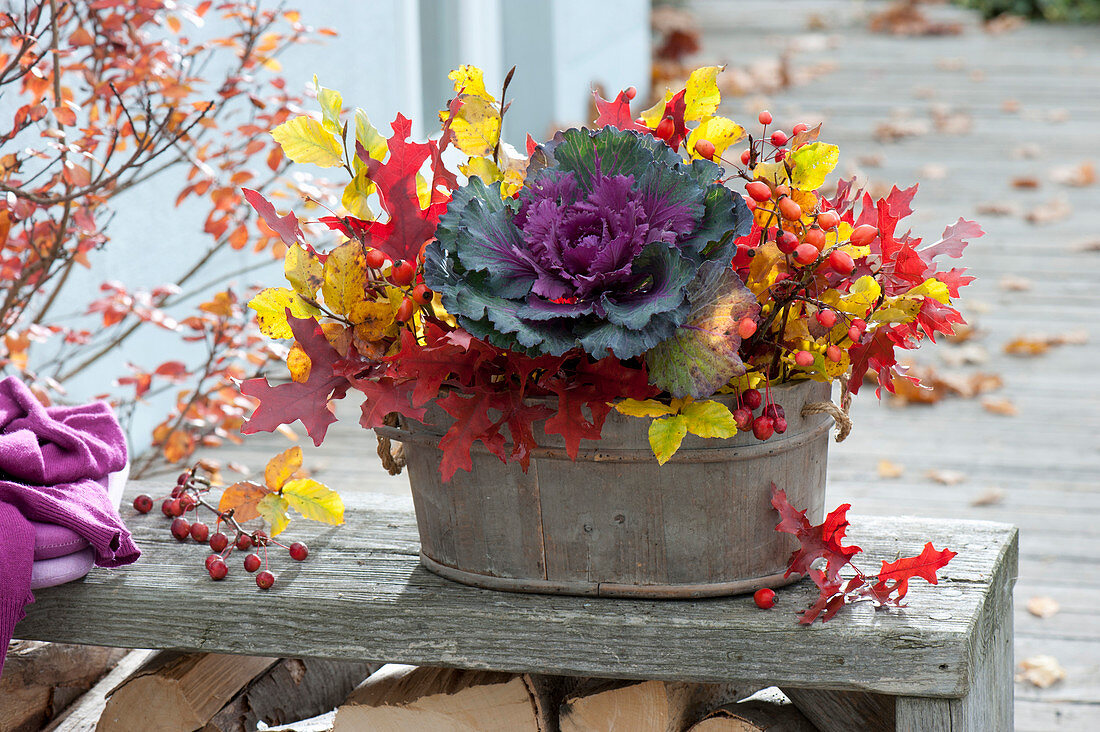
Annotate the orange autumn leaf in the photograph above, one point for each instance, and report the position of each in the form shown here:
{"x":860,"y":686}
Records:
{"x":243,"y":498}
{"x":281,"y":467}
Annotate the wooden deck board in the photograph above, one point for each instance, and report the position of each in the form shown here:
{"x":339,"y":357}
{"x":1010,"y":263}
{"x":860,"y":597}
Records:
{"x":1046,"y":459}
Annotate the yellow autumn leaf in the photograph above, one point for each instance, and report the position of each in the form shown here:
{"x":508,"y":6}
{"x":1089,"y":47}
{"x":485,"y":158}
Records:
{"x":665,"y":436}
{"x":271,"y":306}
{"x":653,"y":116}
{"x":932,"y":288}
{"x":709,"y":419}
{"x":812,"y":164}
{"x":647,"y":408}
{"x":863,"y":294}
{"x":273,"y":508}
{"x":303,"y":270}
{"x":476,"y":126}
{"x":423,"y":191}
{"x":470,"y":80}
{"x":440,"y":312}
{"x":345,"y":277}
{"x":774,"y":173}
{"x":282,"y":466}
{"x":297,"y":361}
{"x":369,"y":137}
{"x":702,"y":96}
{"x":314,"y":500}
{"x":721,"y":132}
{"x":305,"y":140}
{"x":354,"y":199}
{"x":483,"y":168}
{"x":371,"y":319}
{"x":331,"y":103}
{"x":242,"y":498}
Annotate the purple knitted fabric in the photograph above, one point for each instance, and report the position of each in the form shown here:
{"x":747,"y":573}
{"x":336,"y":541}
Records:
{"x":51,"y":461}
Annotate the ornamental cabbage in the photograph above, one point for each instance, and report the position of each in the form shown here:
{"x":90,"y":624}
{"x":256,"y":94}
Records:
{"x":596,"y":251}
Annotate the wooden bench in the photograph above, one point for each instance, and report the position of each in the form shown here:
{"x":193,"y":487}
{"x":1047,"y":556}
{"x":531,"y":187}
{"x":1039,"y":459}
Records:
{"x":943,"y":663}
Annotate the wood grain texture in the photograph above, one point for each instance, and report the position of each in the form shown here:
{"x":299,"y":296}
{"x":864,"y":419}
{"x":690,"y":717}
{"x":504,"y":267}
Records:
{"x":363,"y":595}
{"x":84,"y":714}
{"x":842,"y":711}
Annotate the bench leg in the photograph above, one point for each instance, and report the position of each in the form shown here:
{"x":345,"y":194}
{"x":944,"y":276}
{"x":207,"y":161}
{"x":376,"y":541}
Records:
{"x":988,"y":705}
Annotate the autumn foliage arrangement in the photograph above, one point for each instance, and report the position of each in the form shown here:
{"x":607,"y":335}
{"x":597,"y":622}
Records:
{"x":644,"y":264}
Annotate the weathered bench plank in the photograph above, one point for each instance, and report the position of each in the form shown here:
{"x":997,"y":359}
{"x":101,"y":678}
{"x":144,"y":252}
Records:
{"x":363,"y":595}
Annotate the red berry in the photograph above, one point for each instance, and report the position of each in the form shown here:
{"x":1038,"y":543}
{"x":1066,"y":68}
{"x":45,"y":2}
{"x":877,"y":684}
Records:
{"x":860,"y":323}
{"x":166,"y":506}
{"x":779,"y":138}
{"x":842,"y":262}
{"x":752,"y":399}
{"x":251,"y":562}
{"x":375,"y":258}
{"x":219,"y":541}
{"x":181,"y":529}
{"x":265,"y":579}
{"x":665,"y":129}
{"x":143,"y":503}
{"x":828,"y":219}
{"x":816,"y":237}
{"x":187,"y":502}
{"x":183,"y":478}
{"x":764,"y":599}
{"x":805,"y":254}
{"x":746,"y":327}
{"x":402,"y":272}
{"x":827,"y":318}
{"x":758,"y":190}
{"x":765,"y":117}
{"x":833,"y":353}
{"x":244,"y":541}
{"x":200,"y":532}
{"x":298,"y":551}
{"x":630,"y":92}
{"x":787,"y":242}
{"x":210,"y":559}
{"x":177,"y":491}
{"x":803,"y":359}
{"x":259,"y":538}
{"x":774,"y":411}
{"x":176,"y":507}
{"x":743,"y":417}
{"x":422,"y":294}
{"x":780,"y":425}
{"x":745,"y":157}
{"x":855,"y":334}
{"x":780,"y":154}
{"x":405,"y":310}
{"x":705,"y":149}
{"x":217,"y":568}
{"x":790,"y":209}
{"x":863,"y":235}
{"x":799,"y":128}
{"x":763,"y":427}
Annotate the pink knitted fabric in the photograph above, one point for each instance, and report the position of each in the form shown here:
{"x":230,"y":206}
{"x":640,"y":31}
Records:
{"x":51,"y":462}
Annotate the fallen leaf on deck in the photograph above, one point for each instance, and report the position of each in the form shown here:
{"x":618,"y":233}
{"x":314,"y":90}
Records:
{"x":1012,"y":283}
{"x":899,"y":128}
{"x":969,"y":386}
{"x":1041,"y":671}
{"x":1089,"y":245}
{"x":1003,"y":407}
{"x":932,"y":171}
{"x":239,"y":468}
{"x":963,"y":331}
{"x":1058,"y":115}
{"x":1003,"y":23}
{"x":1025,"y":181}
{"x":1049,"y":212}
{"x":1037,"y":345}
{"x":970,"y":354}
{"x":1077,"y":176}
{"x":1042,"y":606}
{"x":988,"y":497}
{"x":998,"y":208}
{"x":1010,"y":106}
{"x":873,"y":160}
{"x":887,"y":469}
{"x":904,"y":18}
{"x":946,"y":477}
{"x":950,"y":121}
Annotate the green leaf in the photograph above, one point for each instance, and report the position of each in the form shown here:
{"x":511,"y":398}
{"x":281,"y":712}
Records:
{"x":305,"y":140}
{"x":709,"y":419}
{"x":702,"y":355}
{"x":665,"y":436}
{"x":648,"y":408}
{"x":331,"y":104}
{"x":812,"y":163}
{"x":314,"y":500}
{"x":271,"y":306}
{"x":273,"y":508}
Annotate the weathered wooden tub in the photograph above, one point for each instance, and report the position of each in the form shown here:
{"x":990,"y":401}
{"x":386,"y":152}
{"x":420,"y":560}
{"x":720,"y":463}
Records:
{"x":615,"y":523}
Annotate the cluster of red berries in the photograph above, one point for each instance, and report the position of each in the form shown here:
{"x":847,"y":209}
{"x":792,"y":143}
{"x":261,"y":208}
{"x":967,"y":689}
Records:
{"x":772,"y":420}
{"x":402,"y":274}
{"x":187,"y":496}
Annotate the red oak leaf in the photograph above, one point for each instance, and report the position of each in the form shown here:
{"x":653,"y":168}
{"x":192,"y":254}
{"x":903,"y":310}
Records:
{"x":383,"y":397}
{"x":875,"y":354}
{"x":893,"y":578}
{"x":817,"y":542}
{"x":285,"y":226}
{"x":616,"y":113}
{"x":954,"y":240}
{"x":472,"y":423}
{"x":307,"y":401}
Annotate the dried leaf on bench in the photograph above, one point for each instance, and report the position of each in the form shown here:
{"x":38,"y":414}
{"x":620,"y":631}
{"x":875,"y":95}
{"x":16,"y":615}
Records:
{"x":890,"y":470}
{"x":946,"y":477}
{"x":1003,"y":407}
{"x":1041,"y":671}
{"x":1042,"y":606}
{"x":988,"y":497}
{"x":1077,"y":176}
